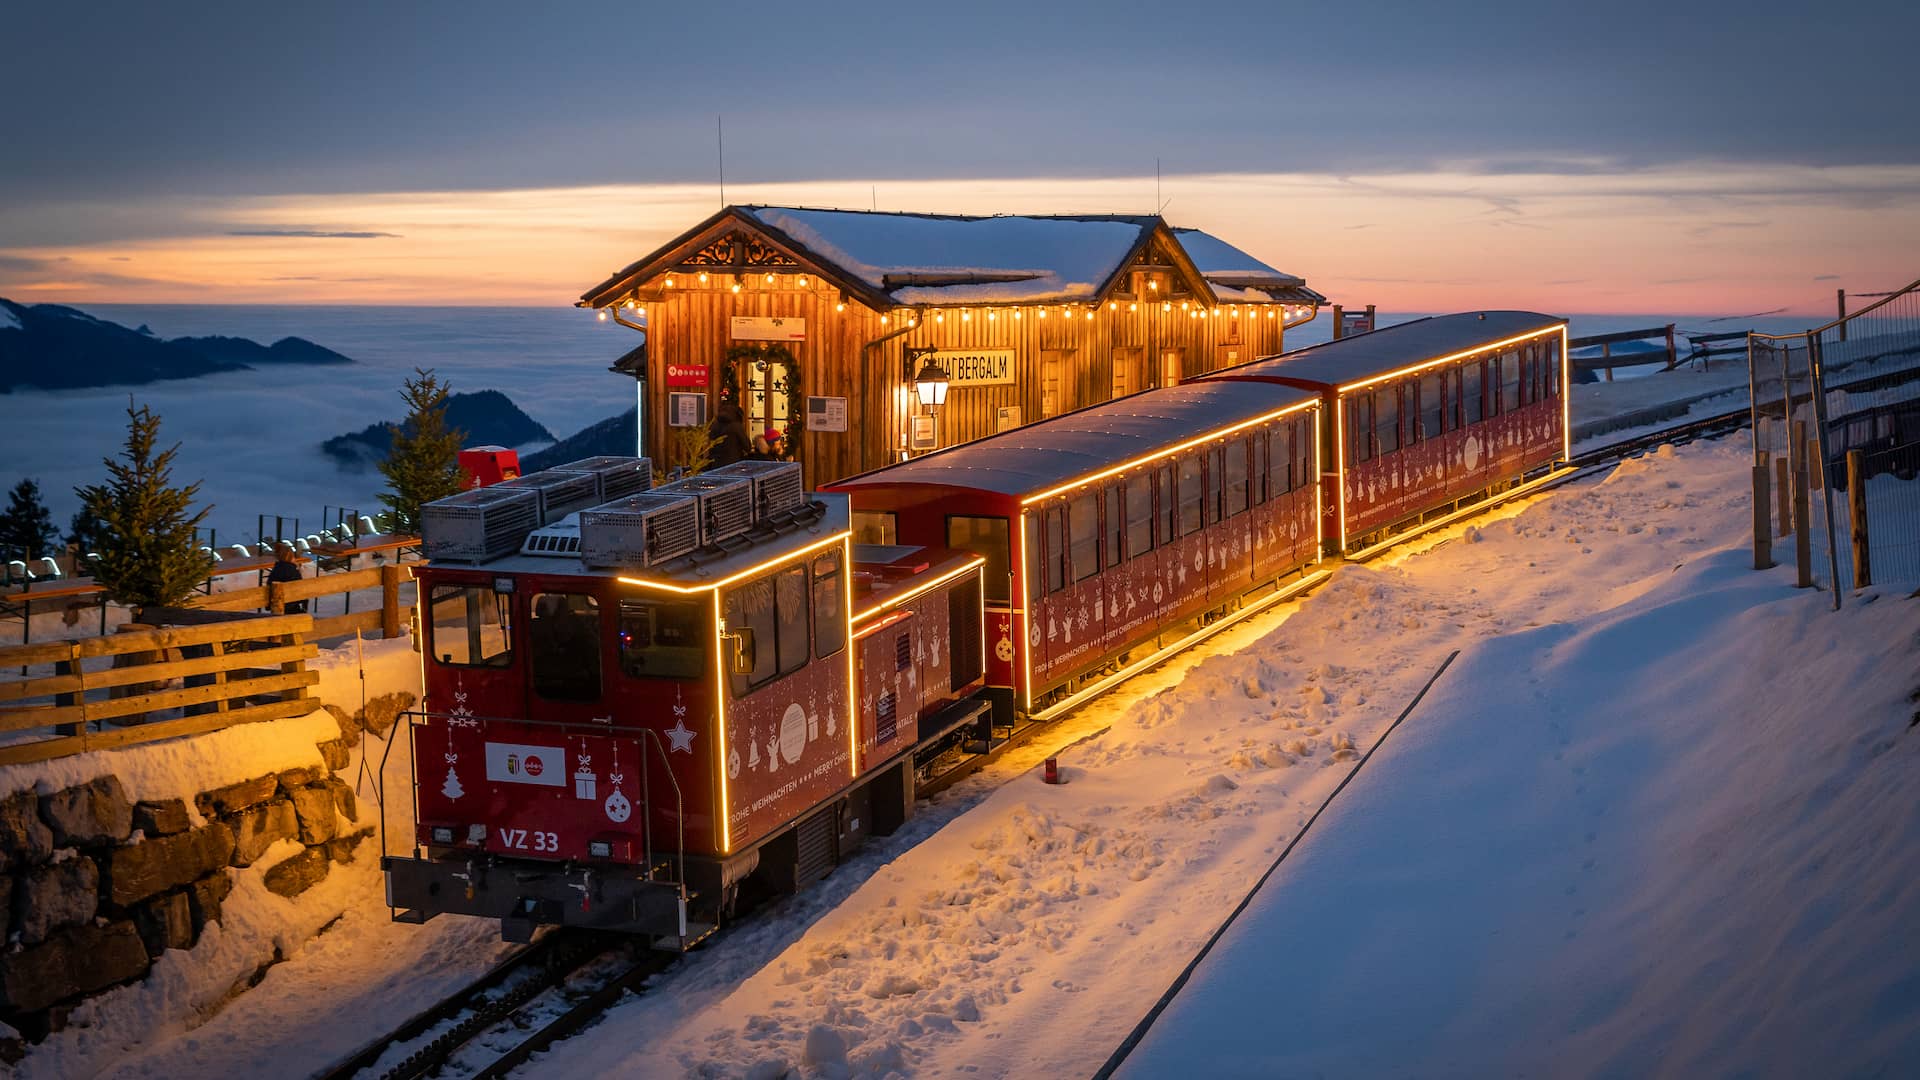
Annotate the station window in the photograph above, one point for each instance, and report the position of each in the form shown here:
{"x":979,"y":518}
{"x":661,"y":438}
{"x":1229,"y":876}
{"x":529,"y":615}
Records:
{"x":662,"y":639}
{"x":987,"y":538}
{"x":564,"y":638}
{"x":1139,"y":516}
{"x":1056,"y":549}
{"x":1472,"y":393}
{"x":1280,"y":460}
{"x":1236,"y":458}
{"x":1433,"y":404}
{"x":1116,"y":524}
{"x":1386,"y":419}
{"x":829,"y":607}
{"x":1083,"y":536}
{"x":876,"y":527}
{"x":1509,"y":381}
{"x":471,"y":625}
{"x":1193,"y":494}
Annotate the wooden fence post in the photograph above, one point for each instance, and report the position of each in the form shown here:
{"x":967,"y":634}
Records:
{"x":275,"y":604}
{"x":1783,"y":491}
{"x":1762,"y":528}
{"x":1802,"y":510}
{"x":390,"y":577}
{"x":1857,"y":518}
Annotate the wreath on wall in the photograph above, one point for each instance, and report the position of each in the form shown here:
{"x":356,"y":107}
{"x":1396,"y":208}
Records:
{"x":771,"y":352}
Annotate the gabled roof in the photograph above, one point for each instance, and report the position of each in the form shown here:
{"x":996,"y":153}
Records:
{"x":891,"y":259}
{"x":1236,"y":275}
{"x":1363,"y":356}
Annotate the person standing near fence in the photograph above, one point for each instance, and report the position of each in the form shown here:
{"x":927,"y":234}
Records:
{"x":286,"y":569}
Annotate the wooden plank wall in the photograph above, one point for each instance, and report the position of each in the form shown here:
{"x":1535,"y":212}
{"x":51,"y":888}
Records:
{"x":689,"y":324}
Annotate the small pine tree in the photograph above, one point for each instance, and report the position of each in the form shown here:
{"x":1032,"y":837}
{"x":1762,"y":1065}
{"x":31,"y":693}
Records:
{"x":424,"y":463}
{"x":26,"y":529}
{"x":84,"y":531}
{"x":146,"y":538}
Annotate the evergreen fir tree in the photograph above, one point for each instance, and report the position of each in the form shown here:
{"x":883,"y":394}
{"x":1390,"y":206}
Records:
{"x":84,"y":531}
{"x":146,"y":539}
{"x":26,"y":529}
{"x":424,"y":463}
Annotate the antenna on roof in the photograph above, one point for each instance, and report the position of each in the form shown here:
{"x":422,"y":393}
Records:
{"x":720,"y":140}
{"x":875,"y":191}
{"x":1156,"y":185}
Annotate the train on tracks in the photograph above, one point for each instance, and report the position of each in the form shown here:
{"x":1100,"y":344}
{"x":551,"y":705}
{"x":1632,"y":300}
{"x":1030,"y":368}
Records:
{"x":645,"y":705}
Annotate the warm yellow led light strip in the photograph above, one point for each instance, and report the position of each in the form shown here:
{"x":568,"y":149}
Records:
{"x":1560,"y":329}
{"x":1079,"y":696}
{"x":896,"y":601}
{"x":1464,"y":512}
{"x":742,"y":575}
{"x":1161,"y":455}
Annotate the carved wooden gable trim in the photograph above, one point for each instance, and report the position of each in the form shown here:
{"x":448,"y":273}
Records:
{"x":741,"y":250}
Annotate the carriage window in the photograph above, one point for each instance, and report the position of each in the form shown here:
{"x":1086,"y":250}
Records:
{"x":751,"y":607}
{"x":829,"y":609}
{"x":1386,"y":419}
{"x":1359,"y":428}
{"x":1083,"y":536}
{"x":1030,"y":553}
{"x":1552,"y":351}
{"x":1169,"y":506}
{"x":875,"y":527}
{"x":471,"y":626}
{"x":1139,"y":516}
{"x":1509,"y":381}
{"x":1116,"y":524}
{"x":1193,"y":494}
{"x":1216,"y":485}
{"x":1056,"y":549}
{"x":1529,"y":374}
{"x":1236,"y":476}
{"x":987,"y":538}
{"x":564,"y":638}
{"x":1280,"y":462}
{"x":662,"y":640}
{"x":1433,"y":399}
{"x":1411,"y":399}
{"x":1470,"y":391}
{"x":1257,"y":487}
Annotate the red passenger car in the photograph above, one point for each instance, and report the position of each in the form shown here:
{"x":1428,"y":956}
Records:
{"x":1429,"y":413}
{"x":1109,"y":531}
{"x":626,"y":735}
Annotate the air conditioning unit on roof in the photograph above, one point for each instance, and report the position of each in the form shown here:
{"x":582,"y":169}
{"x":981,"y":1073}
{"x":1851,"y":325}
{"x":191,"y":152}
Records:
{"x":639,"y":530}
{"x":777,"y":485}
{"x":561,"y":492}
{"x":617,"y":476}
{"x":726,"y":504}
{"x":479,"y":524}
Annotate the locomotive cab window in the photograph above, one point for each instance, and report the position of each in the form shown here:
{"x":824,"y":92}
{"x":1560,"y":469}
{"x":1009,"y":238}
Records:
{"x":829,"y":612}
{"x":773,"y":613}
{"x":471,"y":626}
{"x":564,"y":638}
{"x":987,"y":538}
{"x":660,"y":639}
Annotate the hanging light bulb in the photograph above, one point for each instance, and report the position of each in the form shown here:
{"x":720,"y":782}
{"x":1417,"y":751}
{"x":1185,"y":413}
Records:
{"x":1153,"y":284}
{"x":669,"y":281}
{"x":840,"y":306}
{"x":736,"y":286}
{"x":602,"y":316}
{"x":1166,"y":306}
{"x":769,"y":279}
{"x":966,"y":316}
{"x":1089,"y":314}
{"x":801,"y":281}
{"x":883,"y":320}
{"x":703,"y":277}
{"x":1133,"y":305}
{"x":1183,"y":305}
{"x":1043,"y":312}
{"x":1016,"y":313}
{"x":939,"y":316}
{"x":1113,"y":305}
{"x":992,"y":314}
{"x":640,"y":311}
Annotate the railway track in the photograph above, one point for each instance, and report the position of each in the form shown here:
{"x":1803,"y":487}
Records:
{"x":519,"y":994}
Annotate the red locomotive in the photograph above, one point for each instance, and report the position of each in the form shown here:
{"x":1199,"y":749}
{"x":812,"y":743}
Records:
{"x":642,"y":702}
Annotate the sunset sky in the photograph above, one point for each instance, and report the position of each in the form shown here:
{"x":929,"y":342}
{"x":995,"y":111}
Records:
{"x":1623,"y":158}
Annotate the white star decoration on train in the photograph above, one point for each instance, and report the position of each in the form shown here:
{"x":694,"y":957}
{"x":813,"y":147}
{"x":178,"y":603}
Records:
{"x":680,"y":736}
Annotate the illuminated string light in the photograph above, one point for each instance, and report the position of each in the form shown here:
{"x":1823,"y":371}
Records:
{"x":602,"y":316}
{"x":703,"y":277}
{"x":801,"y":281}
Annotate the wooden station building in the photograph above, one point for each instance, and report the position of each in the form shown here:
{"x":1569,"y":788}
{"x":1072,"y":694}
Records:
{"x":818,"y":321}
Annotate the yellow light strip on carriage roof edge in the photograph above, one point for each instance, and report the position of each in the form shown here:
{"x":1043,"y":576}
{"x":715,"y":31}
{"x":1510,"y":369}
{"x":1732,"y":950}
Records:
{"x":720,"y":725}
{"x":747,"y":573}
{"x":1560,"y":329}
{"x":1159,"y":455}
{"x":896,"y":601}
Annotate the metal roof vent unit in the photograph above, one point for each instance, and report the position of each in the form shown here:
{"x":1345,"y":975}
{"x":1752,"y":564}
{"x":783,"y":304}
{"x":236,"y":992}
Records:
{"x":618,"y":476}
{"x":561,"y":492}
{"x":777,"y":485}
{"x":726,"y":505}
{"x":555,"y":540}
{"x":640,"y":530}
{"x":478,"y":524}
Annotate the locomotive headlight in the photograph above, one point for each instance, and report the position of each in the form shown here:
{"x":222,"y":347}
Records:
{"x":600,"y":849}
{"x":442,"y":834}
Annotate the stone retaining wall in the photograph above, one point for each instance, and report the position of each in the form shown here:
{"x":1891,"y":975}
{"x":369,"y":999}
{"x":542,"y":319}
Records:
{"x":95,"y":886}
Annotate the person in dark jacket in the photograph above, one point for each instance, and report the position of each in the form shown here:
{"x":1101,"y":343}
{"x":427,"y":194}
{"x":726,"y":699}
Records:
{"x":730,"y":427}
{"x":285,"y":569}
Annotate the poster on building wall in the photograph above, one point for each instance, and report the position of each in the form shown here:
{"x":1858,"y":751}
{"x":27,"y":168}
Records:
{"x":767,"y":328}
{"x":975,"y":367}
{"x":1006,"y":418}
{"x":826,"y":414}
{"x":687,"y":410}
{"x":687,"y":375}
{"x":924,"y":436}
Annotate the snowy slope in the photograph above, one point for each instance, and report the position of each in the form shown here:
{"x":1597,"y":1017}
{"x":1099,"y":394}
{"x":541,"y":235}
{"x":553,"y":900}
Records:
{"x":1673,"y":839}
{"x":1044,"y":921}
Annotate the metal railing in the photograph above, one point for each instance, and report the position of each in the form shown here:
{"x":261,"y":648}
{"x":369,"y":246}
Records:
{"x":1836,"y":420}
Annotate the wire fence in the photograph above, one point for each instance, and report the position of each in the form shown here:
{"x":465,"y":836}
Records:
{"x":1836,"y":441}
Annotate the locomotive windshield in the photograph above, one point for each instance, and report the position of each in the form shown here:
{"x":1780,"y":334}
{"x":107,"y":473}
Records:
{"x":565,"y":641}
{"x":471,"y":625}
{"x":662,"y":639}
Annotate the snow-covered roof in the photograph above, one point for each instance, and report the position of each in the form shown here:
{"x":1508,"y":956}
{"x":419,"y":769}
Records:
{"x":891,"y":258}
{"x":1363,"y":356}
{"x":1048,"y":453}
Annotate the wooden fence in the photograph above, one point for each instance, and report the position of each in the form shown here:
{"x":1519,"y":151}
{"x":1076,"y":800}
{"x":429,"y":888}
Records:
{"x":233,"y":672}
{"x":274,"y":596}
